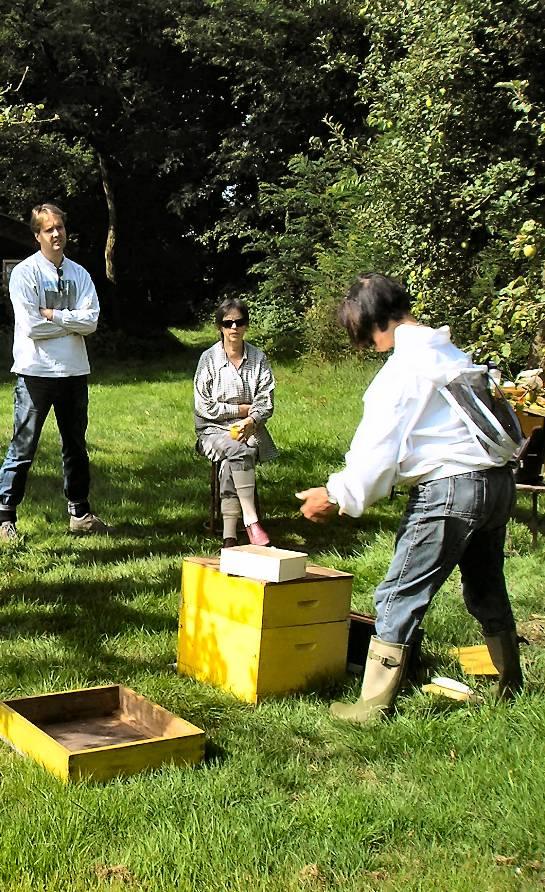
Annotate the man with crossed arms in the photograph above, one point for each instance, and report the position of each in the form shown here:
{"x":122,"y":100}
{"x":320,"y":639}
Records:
{"x":55,"y":305}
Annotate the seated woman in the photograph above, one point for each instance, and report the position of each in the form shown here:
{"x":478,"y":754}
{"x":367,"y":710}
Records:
{"x":234,"y":398}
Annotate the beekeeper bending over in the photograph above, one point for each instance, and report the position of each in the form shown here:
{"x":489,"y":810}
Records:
{"x":429,"y":422}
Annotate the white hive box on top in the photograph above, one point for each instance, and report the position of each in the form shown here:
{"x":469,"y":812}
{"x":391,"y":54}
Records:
{"x":263,"y":562}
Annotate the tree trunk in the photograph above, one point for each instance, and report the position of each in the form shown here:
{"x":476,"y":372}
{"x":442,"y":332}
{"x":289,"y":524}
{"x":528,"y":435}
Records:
{"x":111,"y":238}
{"x":126,"y":256}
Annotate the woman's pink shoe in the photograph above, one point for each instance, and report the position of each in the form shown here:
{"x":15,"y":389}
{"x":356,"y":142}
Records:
{"x":257,"y":535}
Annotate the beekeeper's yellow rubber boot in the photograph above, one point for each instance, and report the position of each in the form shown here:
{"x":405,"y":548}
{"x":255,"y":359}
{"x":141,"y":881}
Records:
{"x":384,"y":671}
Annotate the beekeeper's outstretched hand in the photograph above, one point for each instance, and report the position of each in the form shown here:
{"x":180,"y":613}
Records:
{"x":317,"y":505}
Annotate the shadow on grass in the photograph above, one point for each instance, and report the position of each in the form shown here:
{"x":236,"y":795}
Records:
{"x":78,"y":612}
{"x":523,"y":512}
{"x":215,"y":754}
{"x":158,"y":358}
{"x":180,"y":480}
{"x":80,"y":590}
{"x":90,"y":611}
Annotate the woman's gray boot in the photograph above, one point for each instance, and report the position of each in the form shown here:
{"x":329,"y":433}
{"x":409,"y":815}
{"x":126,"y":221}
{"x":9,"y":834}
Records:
{"x":384,"y":672}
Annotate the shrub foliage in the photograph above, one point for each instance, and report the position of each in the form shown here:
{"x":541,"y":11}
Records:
{"x":441,"y":184}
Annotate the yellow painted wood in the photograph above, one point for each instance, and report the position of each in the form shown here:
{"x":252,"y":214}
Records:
{"x":440,"y":690}
{"x":166,"y":737}
{"x":475,"y":660}
{"x":528,"y":422}
{"x":253,"y":663}
{"x":294,"y":657}
{"x":102,"y":763}
{"x":219,"y":651}
{"x":26,"y":738}
{"x":322,"y":596}
{"x":256,"y":638}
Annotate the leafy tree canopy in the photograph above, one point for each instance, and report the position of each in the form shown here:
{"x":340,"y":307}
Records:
{"x":442,"y":183}
{"x":176,"y":109}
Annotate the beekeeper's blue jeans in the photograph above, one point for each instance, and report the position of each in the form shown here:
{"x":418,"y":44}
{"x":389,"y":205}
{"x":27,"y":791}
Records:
{"x":460,"y":521}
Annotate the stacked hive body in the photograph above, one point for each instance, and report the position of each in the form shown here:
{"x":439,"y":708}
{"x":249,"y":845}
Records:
{"x":257,"y":638}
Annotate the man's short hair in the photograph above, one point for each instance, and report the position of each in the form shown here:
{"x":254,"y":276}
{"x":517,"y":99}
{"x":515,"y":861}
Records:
{"x":372,"y":301}
{"x":41,"y":211}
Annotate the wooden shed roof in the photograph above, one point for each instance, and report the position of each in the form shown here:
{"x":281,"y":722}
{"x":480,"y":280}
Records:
{"x":16,"y":231}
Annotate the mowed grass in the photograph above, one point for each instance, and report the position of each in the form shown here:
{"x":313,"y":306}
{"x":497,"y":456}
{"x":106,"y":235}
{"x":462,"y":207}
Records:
{"x":443,"y":796}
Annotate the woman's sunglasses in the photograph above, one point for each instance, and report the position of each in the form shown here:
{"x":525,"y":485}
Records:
{"x":238,"y":323}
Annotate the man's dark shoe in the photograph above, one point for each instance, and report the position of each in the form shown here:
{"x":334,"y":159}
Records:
{"x":8,"y":531}
{"x":230,"y":543}
{"x":89,"y":523}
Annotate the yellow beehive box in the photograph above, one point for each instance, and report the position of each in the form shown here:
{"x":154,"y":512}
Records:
{"x":322,"y":595}
{"x":528,"y":421}
{"x":257,"y":638}
{"x":97,"y":733}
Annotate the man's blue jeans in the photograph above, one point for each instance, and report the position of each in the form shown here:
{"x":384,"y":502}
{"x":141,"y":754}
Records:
{"x":460,"y":521}
{"x":33,"y":399}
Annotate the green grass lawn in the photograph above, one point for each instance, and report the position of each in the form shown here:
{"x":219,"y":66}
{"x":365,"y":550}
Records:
{"x":444,"y":796}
